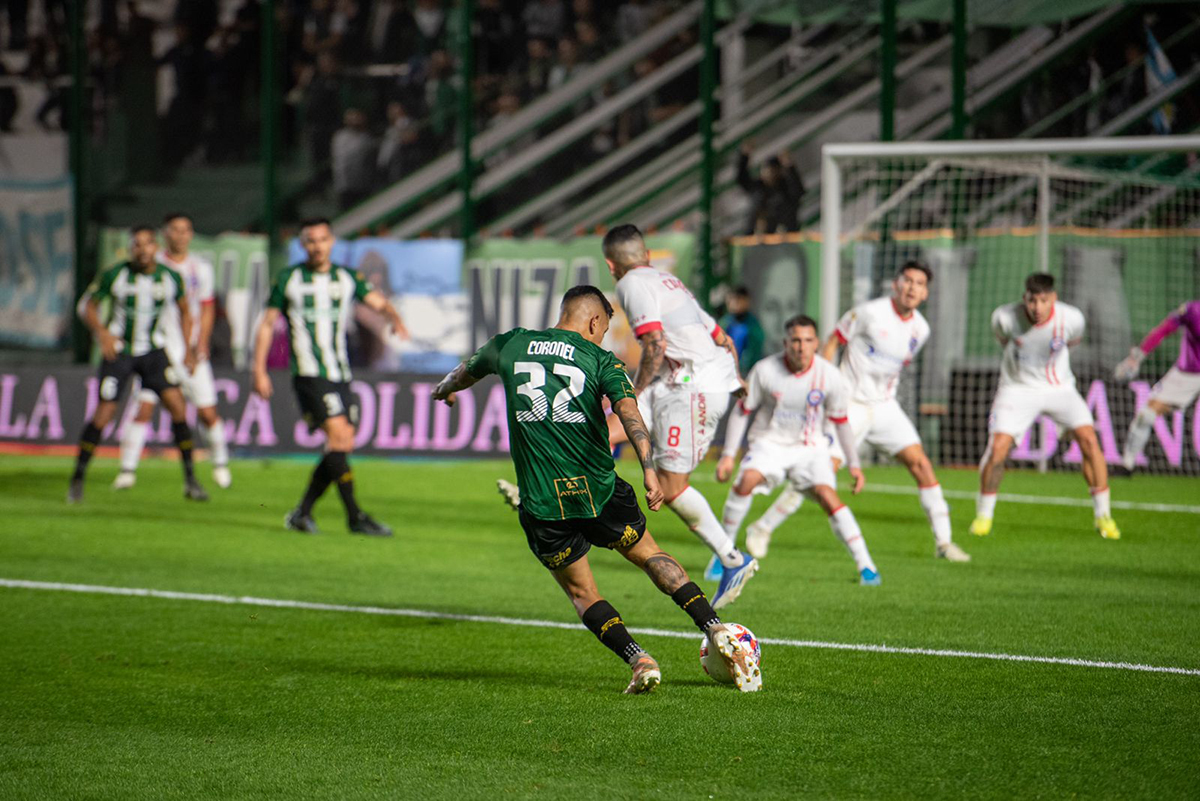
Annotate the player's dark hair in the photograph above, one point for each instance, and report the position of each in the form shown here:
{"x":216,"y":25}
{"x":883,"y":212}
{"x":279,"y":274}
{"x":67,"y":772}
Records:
{"x":800,"y":320}
{"x":176,"y":215}
{"x":741,"y":291}
{"x":618,"y":240}
{"x":587,"y":291}
{"x":1039,"y":283}
{"x":137,"y":229}
{"x":916,"y":264}
{"x":314,"y":221}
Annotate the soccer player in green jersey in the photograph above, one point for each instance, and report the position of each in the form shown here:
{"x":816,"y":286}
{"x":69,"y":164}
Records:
{"x":130,"y":343}
{"x":571,"y":496}
{"x":317,"y":298}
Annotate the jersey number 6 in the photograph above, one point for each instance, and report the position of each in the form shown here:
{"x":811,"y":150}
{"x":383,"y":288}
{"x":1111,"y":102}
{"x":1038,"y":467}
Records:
{"x":532,"y":389}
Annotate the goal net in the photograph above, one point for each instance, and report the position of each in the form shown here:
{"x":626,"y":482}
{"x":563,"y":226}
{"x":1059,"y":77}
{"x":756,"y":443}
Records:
{"x":1117,"y":222}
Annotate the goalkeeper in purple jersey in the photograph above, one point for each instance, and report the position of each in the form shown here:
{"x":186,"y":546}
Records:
{"x":1176,"y":389}
{"x":571,"y":496}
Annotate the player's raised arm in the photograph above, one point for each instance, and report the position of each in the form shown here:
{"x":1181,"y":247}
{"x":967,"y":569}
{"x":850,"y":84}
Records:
{"x":262,"y":346}
{"x":456,"y":379}
{"x":1129,"y":366}
{"x":626,"y":411}
{"x":375,"y":300}
{"x":483,"y":362}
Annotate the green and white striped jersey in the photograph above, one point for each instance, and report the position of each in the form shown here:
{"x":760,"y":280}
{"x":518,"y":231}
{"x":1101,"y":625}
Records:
{"x":138,"y":303}
{"x":317,"y":307}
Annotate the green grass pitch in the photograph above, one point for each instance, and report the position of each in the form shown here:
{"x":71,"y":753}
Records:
{"x":135,"y":697}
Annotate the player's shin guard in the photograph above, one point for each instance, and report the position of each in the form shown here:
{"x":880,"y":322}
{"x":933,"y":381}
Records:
{"x":87,"y":446}
{"x":215,"y":434}
{"x":317,"y":485}
{"x":133,"y":441}
{"x":1139,"y":435}
{"x":845,"y":527}
{"x":603,"y":621}
{"x":691,"y":599}
{"x":338,"y":464}
{"x":736,"y":507}
{"x":183,"y":441}
{"x":694,"y":511}
{"x":786,"y":505}
{"x":938,"y":512}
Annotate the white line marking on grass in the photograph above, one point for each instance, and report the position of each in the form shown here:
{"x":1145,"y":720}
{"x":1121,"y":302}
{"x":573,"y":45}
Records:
{"x":1048,"y":500}
{"x":250,"y":600}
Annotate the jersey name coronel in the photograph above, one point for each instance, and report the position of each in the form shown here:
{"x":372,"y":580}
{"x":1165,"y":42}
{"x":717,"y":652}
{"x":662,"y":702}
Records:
{"x":1037,"y":355}
{"x":139,"y":300}
{"x":657,"y":301}
{"x":879,"y":345}
{"x":792,"y":406}
{"x":551,"y":348}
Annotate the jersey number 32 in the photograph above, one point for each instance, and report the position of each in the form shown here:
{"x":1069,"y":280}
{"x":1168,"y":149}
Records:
{"x":533,"y":389}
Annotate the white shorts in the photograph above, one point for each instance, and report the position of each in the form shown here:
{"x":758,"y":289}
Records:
{"x":197,"y":385}
{"x":803,"y":467}
{"x":884,"y":426}
{"x":682,"y":423}
{"x":1015,"y":409}
{"x":1176,"y":388}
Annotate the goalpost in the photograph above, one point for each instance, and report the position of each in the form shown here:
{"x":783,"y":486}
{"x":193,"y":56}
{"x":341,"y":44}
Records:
{"x":1116,"y":221}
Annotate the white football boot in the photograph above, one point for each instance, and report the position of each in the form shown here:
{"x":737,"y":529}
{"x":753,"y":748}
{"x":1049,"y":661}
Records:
{"x":743,"y":665}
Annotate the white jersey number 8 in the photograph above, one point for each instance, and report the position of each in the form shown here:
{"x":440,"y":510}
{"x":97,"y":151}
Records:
{"x":532,"y":389}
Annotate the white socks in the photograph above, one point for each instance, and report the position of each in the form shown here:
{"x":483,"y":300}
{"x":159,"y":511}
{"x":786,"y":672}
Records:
{"x":736,"y":507}
{"x":1101,"y":503}
{"x":938,"y":512}
{"x":132,"y":443}
{"x":1138,"y":436}
{"x":219,"y":449}
{"x":985,"y":505}
{"x":845,"y":527}
{"x":694,"y":511}
{"x":784,"y":507}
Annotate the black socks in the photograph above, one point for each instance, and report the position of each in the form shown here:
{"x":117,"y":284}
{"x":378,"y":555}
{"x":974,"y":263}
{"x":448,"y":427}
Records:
{"x":87,"y":446}
{"x":183,"y":441}
{"x":603,"y":621}
{"x":690,"y":598}
{"x":334,"y":468}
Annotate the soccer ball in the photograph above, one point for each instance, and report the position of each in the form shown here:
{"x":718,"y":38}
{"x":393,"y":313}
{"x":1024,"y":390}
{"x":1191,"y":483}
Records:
{"x":712,"y":662}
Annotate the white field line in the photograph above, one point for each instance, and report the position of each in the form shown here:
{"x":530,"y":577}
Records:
{"x":248,"y":600}
{"x":1048,"y":500}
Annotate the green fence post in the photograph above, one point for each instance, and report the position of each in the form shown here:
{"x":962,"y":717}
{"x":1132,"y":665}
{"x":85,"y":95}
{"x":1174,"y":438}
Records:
{"x":466,"y":112}
{"x":958,"y":128}
{"x":708,"y":86}
{"x":887,"y":72}
{"x":269,"y":92}
{"x":80,"y":198}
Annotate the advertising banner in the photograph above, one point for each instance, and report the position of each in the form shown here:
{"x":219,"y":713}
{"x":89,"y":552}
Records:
{"x":37,"y":254}
{"x":397,"y":415}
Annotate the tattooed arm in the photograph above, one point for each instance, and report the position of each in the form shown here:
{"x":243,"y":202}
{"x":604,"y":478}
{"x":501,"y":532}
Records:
{"x":654,"y":351}
{"x":626,"y":411}
{"x":456,"y":379}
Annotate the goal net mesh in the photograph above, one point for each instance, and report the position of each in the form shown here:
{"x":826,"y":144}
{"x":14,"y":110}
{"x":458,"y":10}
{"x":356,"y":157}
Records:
{"x":1121,"y":238}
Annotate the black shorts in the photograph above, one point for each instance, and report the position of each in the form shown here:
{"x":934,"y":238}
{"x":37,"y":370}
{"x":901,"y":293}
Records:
{"x":558,"y":543}
{"x":320,"y":399}
{"x":153,"y":368}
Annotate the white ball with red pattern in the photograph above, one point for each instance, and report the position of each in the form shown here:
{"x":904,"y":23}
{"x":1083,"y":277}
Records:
{"x":712,"y":662}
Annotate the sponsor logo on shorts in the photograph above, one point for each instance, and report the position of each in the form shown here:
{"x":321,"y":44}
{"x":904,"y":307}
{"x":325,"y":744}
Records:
{"x":702,"y":411}
{"x":557,"y":559}
{"x":628,"y":538}
{"x":815,"y":397}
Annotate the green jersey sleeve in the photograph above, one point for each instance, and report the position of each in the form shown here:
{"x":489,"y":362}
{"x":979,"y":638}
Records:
{"x":177,"y":279}
{"x":362,"y":287}
{"x":486,"y":360}
{"x":614,"y":381}
{"x":278,"y":300}
{"x":101,"y":288}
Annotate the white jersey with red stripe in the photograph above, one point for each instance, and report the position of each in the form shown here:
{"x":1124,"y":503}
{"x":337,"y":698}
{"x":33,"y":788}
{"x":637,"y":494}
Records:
{"x":880,"y":343}
{"x":1037,"y":355}
{"x":655,"y":300}
{"x":199,"y":283}
{"x":792,"y":406}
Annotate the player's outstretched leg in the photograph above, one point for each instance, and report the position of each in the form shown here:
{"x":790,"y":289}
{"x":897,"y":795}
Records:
{"x":1095,"y":471}
{"x":133,"y":441}
{"x":845,"y":527}
{"x":758,"y":533}
{"x":1139,"y":433}
{"x":991,"y":471}
{"x":933,"y":501}
{"x":671,"y":579}
{"x":301,"y":519}
{"x":603,"y":620}
{"x":692,"y":508}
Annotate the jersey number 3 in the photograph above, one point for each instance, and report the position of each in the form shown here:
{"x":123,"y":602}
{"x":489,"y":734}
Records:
{"x":532,"y":389}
